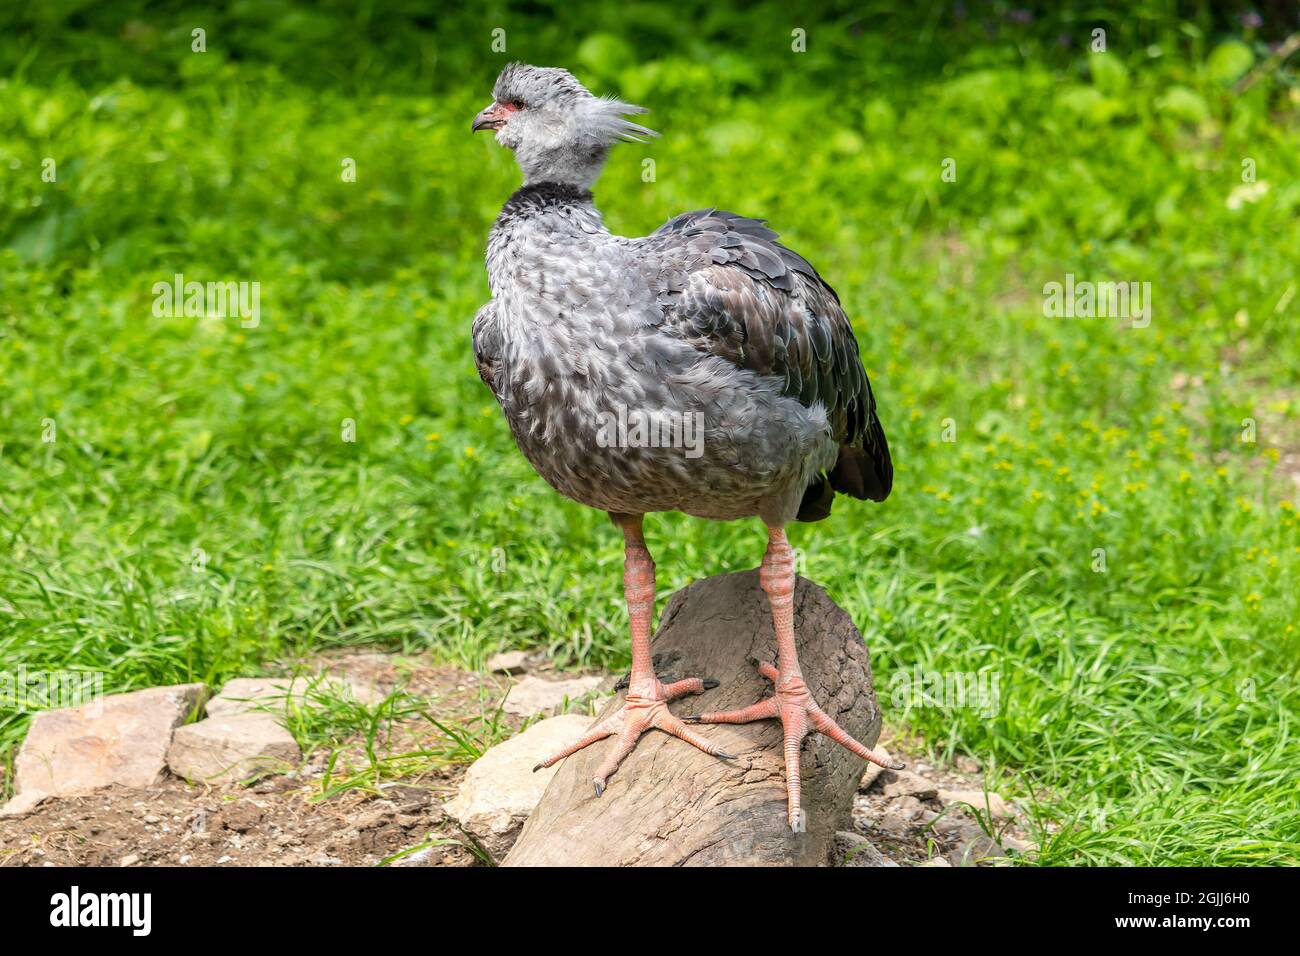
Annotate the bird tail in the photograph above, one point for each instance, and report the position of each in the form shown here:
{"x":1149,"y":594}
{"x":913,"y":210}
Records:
{"x":817,"y":500}
{"x":866,"y":472}
{"x":863,"y":473}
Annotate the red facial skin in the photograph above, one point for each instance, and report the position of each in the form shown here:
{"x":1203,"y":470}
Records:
{"x":494,"y":116}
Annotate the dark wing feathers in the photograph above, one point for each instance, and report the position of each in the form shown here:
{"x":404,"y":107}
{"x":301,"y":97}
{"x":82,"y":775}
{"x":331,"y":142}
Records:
{"x":487,"y":346}
{"x":729,"y":288}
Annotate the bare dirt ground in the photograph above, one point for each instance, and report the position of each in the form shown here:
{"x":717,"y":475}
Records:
{"x":266,"y":825}
{"x":925,"y":827}
{"x":284,"y":821}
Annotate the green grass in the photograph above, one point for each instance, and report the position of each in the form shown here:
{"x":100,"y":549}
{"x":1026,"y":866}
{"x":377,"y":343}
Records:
{"x":199,"y":517}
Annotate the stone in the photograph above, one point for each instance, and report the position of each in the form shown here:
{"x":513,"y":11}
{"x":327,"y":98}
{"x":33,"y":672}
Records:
{"x":936,"y":861}
{"x":121,"y":739}
{"x":873,"y":771}
{"x":500,"y":789}
{"x":904,"y":783}
{"x":1019,"y":846}
{"x":245,"y":695}
{"x":996,"y":805}
{"x":508,"y":662}
{"x":232,"y":748}
{"x":532,"y":695}
{"x":856,"y":850}
{"x":900,"y":817}
{"x":23,"y":803}
{"x":980,"y":848}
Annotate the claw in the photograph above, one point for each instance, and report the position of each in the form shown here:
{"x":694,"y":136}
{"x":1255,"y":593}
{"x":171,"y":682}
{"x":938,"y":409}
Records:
{"x":537,"y":768}
{"x":710,"y":683}
{"x":637,"y":715}
{"x":690,"y":720}
{"x":724,"y":755}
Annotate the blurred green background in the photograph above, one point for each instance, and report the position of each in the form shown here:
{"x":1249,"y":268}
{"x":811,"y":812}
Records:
{"x":178,"y":502}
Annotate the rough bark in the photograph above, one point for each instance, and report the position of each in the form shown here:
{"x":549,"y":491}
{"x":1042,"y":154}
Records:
{"x":672,"y":805}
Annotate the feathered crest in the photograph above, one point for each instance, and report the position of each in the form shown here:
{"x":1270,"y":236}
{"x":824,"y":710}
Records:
{"x":607,"y":118}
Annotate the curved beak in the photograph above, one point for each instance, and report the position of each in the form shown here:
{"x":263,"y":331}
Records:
{"x":492,"y":117}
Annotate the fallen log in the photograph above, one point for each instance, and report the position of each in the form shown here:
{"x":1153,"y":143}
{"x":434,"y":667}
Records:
{"x":672,"y":805}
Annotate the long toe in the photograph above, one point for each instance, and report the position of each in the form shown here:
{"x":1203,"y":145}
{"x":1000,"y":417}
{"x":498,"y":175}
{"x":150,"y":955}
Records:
{"x":623,"y":745}
{"x":824,"y":724}
{"x":600,"y":733}
{"x":671,"y":724}
{"x":763,"y":710}
{"x":794,"y":727}
{"x":690,"y":685}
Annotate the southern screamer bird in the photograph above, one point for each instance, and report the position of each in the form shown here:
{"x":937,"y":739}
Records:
{"x":709,"y":330}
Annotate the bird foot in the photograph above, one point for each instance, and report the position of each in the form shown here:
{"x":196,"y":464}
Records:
{"x":624,"y":682}
{"x":646,"y":707}
{"x":799,"y":715}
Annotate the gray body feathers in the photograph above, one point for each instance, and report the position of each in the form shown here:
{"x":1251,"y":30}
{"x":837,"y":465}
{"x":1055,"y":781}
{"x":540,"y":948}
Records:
{"x":708,"y":323}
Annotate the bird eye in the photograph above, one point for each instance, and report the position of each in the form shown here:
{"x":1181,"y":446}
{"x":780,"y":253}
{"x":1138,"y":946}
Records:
{"x":515,"y":105}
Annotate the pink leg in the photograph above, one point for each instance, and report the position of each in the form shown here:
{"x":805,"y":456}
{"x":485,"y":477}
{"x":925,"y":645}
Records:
{"x":647,"y":696}
{"x":798,"y":711}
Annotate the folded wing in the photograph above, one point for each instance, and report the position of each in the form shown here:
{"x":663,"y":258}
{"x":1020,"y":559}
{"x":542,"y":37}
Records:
{"x":727,"y":286}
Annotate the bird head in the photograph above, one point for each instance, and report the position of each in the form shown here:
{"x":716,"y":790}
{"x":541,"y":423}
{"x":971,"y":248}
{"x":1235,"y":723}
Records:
{"x":558,"y":129}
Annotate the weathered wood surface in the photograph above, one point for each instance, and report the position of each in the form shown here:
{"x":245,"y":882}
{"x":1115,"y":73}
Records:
{"x":672,"y":805}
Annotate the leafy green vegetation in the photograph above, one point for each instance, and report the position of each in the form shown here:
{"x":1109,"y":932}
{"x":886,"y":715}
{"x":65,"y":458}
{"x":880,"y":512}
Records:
{"x":1075,"y":509}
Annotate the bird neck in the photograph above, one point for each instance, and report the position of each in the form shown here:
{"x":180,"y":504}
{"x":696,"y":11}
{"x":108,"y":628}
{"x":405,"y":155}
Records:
{"x":537,"y":199}
{"x":568,"y":164}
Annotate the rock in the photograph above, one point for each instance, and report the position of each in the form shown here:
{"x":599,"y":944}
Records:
{"x":980,"y":848}
{"x":500,"y":789}
{"x":904,"y":783}
{"x":23,"y":803}
{"x":418,"y":858}
{"x":121,"y":739}
{"x":1019,"y":846}
{"x":532,"y":695}
{"x":872,"y":772}
{"x":856,"y":850}
{"x":915,"y":809}
{"x":229,"y":749}
{"x":901,"y":816}
{"x":998,"y":807}
{"x":508,"y":662}
{"x":936,"y":861}
{"x":245,"y":695}
{"x":955,"y":827}
{"x":130,"y":860}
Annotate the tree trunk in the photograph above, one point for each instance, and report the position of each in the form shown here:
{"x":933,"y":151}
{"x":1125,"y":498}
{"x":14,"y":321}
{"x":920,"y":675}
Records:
{"x":669,"y":804}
